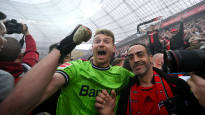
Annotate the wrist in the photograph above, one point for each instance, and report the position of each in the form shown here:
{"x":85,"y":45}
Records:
{"x":27,"y":33}
{"x":58,"y":47}
{"x":66,"y":48}
{"x":55,"y":52}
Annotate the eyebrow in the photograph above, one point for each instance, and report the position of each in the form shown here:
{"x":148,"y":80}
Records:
{"x":138,"y":52}
{"x":104,"y":38}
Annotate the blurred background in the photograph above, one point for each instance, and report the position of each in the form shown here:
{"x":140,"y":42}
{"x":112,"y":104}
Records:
{"x":49,"y":21}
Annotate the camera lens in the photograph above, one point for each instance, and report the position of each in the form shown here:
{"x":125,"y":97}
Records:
{"x":185,"y":60}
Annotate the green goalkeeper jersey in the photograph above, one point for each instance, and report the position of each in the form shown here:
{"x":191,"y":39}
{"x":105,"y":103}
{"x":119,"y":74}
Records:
{"x":84,"y":82}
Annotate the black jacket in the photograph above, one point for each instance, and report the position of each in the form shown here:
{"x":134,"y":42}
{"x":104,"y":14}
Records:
{"x":184,"y":102}
{"x":156,"y":46}
{"x":177,"y":41}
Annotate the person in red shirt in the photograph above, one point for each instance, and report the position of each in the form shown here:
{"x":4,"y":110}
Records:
{"x":150,"y":92}
{"x":15,"y":62}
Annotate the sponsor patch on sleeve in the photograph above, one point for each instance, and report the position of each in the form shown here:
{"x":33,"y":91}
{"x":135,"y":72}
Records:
{"x":64,"y":65}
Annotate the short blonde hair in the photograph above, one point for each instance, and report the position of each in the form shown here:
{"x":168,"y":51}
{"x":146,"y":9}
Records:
{"x":105,"y":32}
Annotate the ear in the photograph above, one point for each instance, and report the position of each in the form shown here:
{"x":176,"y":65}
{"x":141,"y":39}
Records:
{"x":114,"y":49}
{"x":92,"y":46}
{"x":92,"y":50}
{"x":150,"y":57}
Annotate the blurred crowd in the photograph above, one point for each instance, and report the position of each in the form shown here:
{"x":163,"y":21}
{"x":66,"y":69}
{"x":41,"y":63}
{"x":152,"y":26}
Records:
{"x":193,"y":32}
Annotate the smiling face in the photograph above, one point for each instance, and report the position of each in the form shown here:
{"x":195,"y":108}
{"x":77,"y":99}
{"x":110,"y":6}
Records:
{"x":139,"y":59}
{"x":103,"y":49}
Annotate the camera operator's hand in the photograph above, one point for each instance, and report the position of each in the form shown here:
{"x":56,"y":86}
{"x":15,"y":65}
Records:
{"x":25,"y":30}
{"x":197,"y":85}
{"x":2,"y":32}
{"x":2,"y":28}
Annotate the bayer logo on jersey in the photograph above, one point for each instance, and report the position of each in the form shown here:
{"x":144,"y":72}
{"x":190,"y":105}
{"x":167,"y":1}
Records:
{"x":64,"y":65}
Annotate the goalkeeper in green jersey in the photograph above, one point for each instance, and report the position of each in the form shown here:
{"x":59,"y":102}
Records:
{"x":80,"y":81}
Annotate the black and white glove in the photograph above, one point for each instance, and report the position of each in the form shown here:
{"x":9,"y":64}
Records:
{"x":80,"y":33}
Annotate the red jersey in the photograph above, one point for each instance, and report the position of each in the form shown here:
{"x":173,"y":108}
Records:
{"x":145,"y":100}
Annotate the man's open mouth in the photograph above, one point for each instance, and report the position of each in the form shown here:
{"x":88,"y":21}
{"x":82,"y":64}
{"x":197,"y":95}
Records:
{"x":101,"y":53}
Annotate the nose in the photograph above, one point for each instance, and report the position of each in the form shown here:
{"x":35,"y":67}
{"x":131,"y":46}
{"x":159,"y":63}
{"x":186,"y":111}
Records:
{"x":135,"y":59}
{"x":101,"y":43}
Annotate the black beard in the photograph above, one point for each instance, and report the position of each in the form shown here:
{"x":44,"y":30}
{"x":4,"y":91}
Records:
{"x":147,"y":66}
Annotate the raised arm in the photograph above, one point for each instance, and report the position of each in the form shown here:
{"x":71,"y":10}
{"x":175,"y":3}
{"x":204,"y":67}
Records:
{"x":32,"y":88}
{"x":31,"y":56}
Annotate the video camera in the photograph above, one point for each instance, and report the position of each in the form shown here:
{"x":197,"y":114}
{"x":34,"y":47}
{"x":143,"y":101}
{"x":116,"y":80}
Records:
{"x":186,"y":61}
{"x":12,"y":26}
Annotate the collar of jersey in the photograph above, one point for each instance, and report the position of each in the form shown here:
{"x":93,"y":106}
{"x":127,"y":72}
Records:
{"x":99,"y":68}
